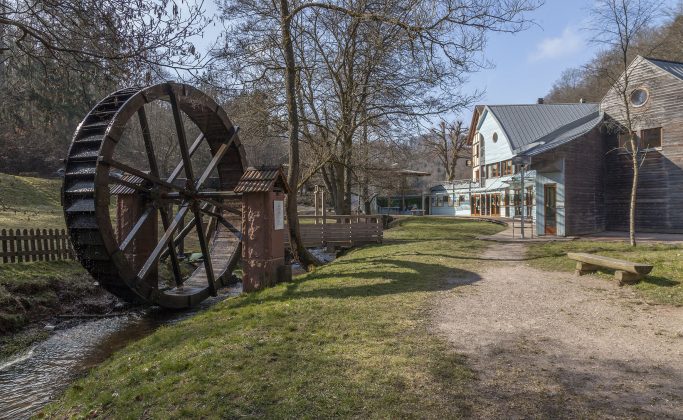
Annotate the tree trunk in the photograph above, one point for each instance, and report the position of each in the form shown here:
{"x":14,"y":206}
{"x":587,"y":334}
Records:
{"x":634,"y":191}
{"x":299,"y":252}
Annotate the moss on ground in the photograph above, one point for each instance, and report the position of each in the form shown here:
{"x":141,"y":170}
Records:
{"x":664,"y":285}
{"x":350,"y":339}
{"x":31,"y":291}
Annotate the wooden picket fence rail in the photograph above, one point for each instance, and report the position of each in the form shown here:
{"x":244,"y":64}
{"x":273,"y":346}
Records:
{"x":24,"y":245}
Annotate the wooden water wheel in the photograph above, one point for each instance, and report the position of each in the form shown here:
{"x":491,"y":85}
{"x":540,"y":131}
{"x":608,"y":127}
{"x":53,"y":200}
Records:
{"x":95,"y":173}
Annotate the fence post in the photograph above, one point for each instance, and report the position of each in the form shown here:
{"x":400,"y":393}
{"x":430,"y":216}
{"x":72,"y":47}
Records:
{"x":5,"y":257}
{"x":26,"y":243}
{"x":64,"y":247}
{"x":11,"y":246}
{"x":34,"y":253}
{"x":45,"y":246}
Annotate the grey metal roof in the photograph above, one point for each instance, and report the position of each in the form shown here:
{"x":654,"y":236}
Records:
{"x":566,"y":134}
{"x":525,"y":125}
{"x":673,"y":67}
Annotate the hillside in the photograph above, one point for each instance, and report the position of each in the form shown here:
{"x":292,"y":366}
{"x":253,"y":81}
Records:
{"x":29,"y":203}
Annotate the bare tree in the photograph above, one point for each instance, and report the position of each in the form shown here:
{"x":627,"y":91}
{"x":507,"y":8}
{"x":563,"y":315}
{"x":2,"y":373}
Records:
{"x":448,"y":143}
{"x":618,"y":25}
{"x":261,"y":48}
{"x":106,"y":34}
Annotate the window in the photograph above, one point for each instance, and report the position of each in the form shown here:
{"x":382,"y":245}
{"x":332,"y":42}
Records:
{"x":495,"y":137}
{"x":651,"y":138}
{"x":639,"y":97}
{"x":508,"y":168}
{"x":494,"y":170}
{"x":476,"y":175}
{"x":462,"y":199}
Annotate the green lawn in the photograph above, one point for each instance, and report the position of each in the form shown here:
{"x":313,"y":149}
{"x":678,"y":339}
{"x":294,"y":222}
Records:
{"x":30,"y":203}
{"x":350,"y":339}
{"x":664,"y":285}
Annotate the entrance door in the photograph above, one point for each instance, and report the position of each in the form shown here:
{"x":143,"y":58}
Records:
{"x":550,"y":204}
{"x":495,"y":204}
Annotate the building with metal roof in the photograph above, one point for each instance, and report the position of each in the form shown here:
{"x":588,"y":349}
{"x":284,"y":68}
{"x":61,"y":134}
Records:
{"x":563,"y":166}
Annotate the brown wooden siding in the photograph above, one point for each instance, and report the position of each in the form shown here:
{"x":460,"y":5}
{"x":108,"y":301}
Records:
{"x":660,"y":189}
{"x":584,"y":186}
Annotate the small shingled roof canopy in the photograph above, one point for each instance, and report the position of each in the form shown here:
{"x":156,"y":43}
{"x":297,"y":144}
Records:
{"x":262,"y":179}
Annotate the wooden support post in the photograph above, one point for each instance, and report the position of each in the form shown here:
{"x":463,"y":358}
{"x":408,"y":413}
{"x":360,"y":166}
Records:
{"x":624,"y":277}
{"x":322,"y":203}
{"x":315,"y":203}
{"x":583,"y":268}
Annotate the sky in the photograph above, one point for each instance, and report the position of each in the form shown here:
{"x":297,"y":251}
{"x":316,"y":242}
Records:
{"x":526,"y":64}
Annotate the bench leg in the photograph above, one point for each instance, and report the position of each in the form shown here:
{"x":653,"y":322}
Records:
{"x":626,"y":278}
{"x":583,"y":268}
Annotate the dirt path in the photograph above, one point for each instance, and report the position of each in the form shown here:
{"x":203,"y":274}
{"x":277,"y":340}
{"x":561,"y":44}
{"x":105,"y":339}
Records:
{"x":551,"y":345}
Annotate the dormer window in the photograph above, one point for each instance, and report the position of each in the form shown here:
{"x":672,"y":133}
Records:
{"x":639,"y":97}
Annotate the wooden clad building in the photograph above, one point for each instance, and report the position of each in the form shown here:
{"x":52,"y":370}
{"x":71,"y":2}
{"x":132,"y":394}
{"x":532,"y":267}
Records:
{"x":656,"y":95}
{"x":578,"y":176}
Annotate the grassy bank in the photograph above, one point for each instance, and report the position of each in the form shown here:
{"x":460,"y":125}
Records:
{"x":36,"y":291}
{"x":30,"y":203}
{"x":30,"y":291}
{"x":350,"y":339}
{"x":664,"y":285}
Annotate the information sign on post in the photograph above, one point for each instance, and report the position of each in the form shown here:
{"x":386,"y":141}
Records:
{"x":279,"y":214}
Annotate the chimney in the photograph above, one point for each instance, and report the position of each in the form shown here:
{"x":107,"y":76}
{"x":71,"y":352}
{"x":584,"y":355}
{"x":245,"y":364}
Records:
{"x":540,"y":101}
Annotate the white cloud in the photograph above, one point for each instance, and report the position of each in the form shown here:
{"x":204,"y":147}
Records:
{"x":565,"y":45}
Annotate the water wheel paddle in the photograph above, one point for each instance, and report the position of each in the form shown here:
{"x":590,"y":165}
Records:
{"x":94,"y":174}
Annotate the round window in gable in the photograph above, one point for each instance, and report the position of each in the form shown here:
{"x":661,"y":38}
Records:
{"x":639,"y":97}
{"x":495,"y":137}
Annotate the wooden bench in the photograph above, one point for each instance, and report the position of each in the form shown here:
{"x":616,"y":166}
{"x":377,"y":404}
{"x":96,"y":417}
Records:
{"x":626,"y":272}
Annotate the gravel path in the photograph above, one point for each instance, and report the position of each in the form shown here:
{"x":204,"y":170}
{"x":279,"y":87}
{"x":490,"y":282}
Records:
{"x":552,"y":345}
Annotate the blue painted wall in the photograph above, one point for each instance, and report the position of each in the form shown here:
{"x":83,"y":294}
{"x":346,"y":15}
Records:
{"x":556,"y":178}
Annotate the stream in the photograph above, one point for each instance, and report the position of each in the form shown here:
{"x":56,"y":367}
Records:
{"x":30,"y":380}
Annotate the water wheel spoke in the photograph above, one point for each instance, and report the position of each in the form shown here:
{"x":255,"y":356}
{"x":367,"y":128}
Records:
{"x":147,"y":138}
{"x":203,"y":244}
{"x":154,"y":170}
{"x":181,"y":165}
{"x":163,"y":242}
{"x":171,"y":250}
{"x":144,"y":175}
{"x":182,"y":139}
{"x":182,"y":233}
{"x":222,"y":206}
{"x":219,"y":217}
{"x":136,"y":229}
{"x":216,"y":158}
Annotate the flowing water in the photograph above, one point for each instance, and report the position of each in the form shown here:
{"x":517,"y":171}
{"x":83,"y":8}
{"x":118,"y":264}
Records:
{"x":30,"y":380}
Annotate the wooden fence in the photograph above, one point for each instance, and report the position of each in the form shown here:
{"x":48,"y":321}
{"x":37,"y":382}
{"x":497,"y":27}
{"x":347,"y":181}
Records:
{"x":23,"y":245}
{"x":344,"y":231}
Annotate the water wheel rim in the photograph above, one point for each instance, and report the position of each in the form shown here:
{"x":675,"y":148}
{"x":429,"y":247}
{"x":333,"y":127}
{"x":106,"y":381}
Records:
{"x":91,"y":229}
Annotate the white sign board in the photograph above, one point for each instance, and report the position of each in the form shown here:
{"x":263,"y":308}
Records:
{"x":279,"y":214}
